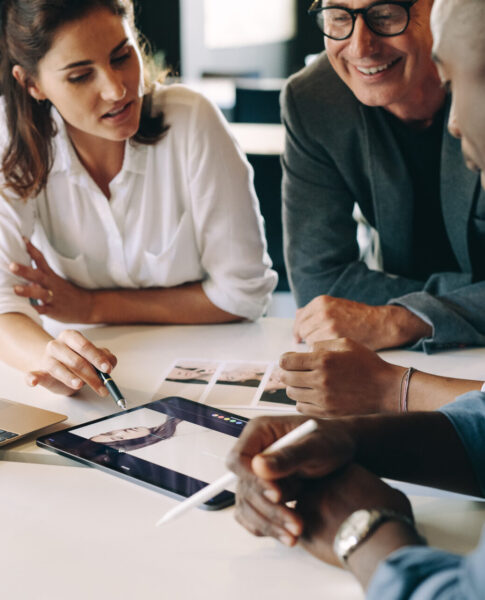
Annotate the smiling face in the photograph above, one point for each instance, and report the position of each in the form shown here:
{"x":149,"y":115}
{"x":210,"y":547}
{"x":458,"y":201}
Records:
{"x":92,"y":74}
{"x":395,"y":73}
{"x":459,"y":50}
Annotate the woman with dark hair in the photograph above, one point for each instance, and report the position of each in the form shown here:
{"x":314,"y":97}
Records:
{"x":141,"y":208}
{"x":133,"y":438}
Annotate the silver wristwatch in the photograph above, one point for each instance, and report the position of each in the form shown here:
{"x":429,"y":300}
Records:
{"x":359,"y":526}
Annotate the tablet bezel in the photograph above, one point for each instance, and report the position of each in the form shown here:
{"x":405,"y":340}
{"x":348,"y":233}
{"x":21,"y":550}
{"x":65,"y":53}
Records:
{"x":140,"y":471}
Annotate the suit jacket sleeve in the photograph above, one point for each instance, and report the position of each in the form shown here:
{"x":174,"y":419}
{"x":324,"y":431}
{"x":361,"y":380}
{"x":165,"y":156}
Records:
{"x":321,"y":184}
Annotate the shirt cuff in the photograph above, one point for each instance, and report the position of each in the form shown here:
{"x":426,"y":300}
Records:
{"x":449,"y":328}
{"x":416,"y":572}
{"x":467,"y":415}
{"x":20,"y":306}
{"x":248,"y":305}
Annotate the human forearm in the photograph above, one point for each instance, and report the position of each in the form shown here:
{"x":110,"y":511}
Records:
{"x":428,"y":392}
{"x":340,"y":377}
{"x":389,"y":537}
{"x":422,"y":448}
{"x":62,"y":365}
{"x":185,"y":304}
{"x":22,"y":341}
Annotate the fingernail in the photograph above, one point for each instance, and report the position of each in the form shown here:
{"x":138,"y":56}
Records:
{"x":14,"y":267}
{"x":271,"y":462}
{"x":19,"y":289}
{"x":286,"y":540}
{"x":102,"y":391}
{"x":292,"y":528}
{"x":105,"y":367}
{"x":271,"y":495}
{"x":76,"y":382}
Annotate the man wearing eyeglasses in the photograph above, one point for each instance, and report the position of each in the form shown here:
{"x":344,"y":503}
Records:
{"x":366,"y":128}
{"x":343,"y":512}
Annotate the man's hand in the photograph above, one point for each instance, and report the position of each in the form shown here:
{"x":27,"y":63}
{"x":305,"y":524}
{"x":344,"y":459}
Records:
{"x":340,"y":377}
{"x":267,"y":482}
{"x":376,"y":327}
{"x":323,"y":505}
{"x":59,"y":299}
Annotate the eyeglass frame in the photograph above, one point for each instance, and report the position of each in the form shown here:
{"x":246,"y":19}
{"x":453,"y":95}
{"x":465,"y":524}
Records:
{"x":354,"y":12}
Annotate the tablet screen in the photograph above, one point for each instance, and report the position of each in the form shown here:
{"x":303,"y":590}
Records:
{"x":174,"y":445}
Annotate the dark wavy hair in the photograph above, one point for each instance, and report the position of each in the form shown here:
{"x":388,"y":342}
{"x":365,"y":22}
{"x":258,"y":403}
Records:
{"x":157,"y":434}
{"x":28,"y":28}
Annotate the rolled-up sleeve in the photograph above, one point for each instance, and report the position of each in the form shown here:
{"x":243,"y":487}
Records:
{"x":467,"y":415}
{"x":16,"y":220}
{"x":420,"y":573}
{"x":228,"y":224}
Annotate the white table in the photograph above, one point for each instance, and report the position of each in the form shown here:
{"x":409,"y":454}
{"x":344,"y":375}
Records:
{"x":73,"y":532}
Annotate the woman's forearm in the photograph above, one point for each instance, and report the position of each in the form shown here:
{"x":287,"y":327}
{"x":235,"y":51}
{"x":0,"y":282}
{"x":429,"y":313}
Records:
{"x":62,"y":365}
{"x":185,"y":304}
{"x":23,"y":341}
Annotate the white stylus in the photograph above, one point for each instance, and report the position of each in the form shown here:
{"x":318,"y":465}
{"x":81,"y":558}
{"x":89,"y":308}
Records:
{"x":220,"y":484}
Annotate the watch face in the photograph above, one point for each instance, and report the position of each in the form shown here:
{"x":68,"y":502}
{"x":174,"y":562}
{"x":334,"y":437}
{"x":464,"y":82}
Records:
{"x":360,"y":525}
{"x":356,"y":524}
{"x":352,"y":531}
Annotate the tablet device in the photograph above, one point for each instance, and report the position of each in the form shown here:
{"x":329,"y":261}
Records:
{"x":173,"y":445}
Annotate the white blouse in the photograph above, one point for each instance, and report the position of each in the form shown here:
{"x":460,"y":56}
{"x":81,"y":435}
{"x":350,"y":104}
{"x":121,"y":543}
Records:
{"x":181,"y":210}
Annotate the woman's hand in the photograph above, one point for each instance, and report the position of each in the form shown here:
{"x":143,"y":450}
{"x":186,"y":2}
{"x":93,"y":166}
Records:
{"x":58,"y":298}
{"x":340,"y":377}
{"x":67,"y":364}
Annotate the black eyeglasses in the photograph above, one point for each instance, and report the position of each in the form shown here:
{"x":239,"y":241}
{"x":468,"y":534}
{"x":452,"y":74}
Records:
{"x":383,"y":18}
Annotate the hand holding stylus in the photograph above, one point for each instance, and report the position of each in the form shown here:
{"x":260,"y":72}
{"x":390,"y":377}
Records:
{"x":220,"y":484}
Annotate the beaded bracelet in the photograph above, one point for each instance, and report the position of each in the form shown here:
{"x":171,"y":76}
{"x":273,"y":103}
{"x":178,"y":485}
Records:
{"x":404,"y":389}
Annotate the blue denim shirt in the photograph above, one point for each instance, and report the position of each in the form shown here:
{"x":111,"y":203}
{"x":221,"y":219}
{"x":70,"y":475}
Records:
{"x":422,"y":573}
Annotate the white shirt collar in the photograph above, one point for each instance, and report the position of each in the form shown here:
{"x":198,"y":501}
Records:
{"x":66,"y":159}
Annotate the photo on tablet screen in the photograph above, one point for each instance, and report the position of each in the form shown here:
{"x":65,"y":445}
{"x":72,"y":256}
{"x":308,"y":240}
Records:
{"x":164,"y":440}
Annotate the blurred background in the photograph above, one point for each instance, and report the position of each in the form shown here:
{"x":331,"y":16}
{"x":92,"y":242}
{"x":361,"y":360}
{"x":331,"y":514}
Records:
{"x":198,"y":38}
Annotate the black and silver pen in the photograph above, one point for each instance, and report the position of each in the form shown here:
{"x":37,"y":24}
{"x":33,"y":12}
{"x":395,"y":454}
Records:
{"x":112,"y":388}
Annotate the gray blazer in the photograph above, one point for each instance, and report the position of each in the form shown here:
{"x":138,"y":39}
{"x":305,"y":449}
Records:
{"x":339,"y":152}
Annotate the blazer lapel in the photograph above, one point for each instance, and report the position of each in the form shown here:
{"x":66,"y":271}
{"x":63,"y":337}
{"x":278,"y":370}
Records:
{"x":393,"y":192}
{"x":459,"y":189}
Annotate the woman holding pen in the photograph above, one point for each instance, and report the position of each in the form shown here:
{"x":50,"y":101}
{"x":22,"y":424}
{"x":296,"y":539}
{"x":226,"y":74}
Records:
{"x":123,"y":200}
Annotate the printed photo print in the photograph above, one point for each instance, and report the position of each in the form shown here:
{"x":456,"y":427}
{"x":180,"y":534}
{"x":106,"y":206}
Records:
{"x":228,"y":384}
{"x":274,"y":391}
{"x":188,"y":378}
